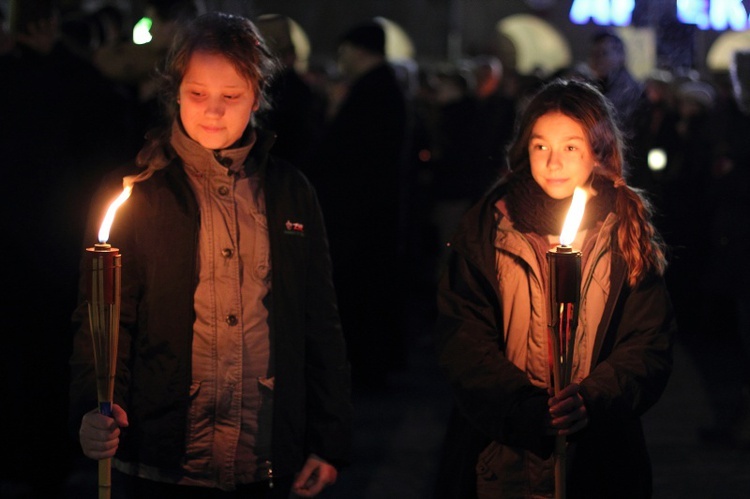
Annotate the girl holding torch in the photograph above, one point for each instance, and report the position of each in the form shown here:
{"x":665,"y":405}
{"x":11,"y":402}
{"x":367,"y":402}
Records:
{"x":232,"y":378}
{"x":493,"y":341}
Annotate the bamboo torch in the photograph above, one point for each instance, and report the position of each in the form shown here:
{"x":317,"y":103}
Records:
{"x":103,"y":294}
{"x":564,"y":296}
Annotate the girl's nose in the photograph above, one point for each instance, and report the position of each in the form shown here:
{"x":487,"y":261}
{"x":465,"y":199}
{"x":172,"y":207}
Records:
{"x":553,"y":160}
{"x":215,"y":107}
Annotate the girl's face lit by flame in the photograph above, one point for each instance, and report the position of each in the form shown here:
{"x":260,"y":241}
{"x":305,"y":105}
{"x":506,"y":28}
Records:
{"x":560,"y":155}
{"x":216,"y":102}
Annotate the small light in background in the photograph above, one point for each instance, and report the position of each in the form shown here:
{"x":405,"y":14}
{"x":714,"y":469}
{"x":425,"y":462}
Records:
{"x":141,"y":31}
{"x":657,"y":159}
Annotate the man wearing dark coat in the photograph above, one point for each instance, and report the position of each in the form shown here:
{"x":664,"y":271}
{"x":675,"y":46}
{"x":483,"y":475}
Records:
{"x":357,"y":168}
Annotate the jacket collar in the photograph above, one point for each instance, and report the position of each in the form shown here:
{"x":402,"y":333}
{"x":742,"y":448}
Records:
{"x":206,"y":161}
{"x":257,"y":158}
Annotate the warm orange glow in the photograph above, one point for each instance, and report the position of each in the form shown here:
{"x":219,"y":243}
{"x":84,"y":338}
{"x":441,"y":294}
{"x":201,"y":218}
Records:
{"x":574,"y":217}
{"x":110,"y":216}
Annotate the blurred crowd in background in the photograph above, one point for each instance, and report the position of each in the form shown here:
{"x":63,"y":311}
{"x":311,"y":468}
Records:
{"x":76,"y":99}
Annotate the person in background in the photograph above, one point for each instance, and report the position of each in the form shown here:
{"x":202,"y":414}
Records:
{"x":59,"y":130}
{"x":232,"y":377}
{"x":132,"y":65}
{"x":607,"y":61}
{"x":357,"y":166}
{"x":292,"y":114}
{"x":497,"y":113}
{"x":456,"y":153}
{"x":492,"y":336}
{"x":720,"y":340}
{"x":609,"y":72}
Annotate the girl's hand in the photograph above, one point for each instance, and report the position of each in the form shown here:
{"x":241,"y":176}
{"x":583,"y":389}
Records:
{"x":567,"y":411}
{"x":315,"y":475}
{"x":99,"y":434}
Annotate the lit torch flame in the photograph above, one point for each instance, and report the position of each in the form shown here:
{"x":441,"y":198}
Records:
{"x":110,"y":216}
{"x":574,"y":217}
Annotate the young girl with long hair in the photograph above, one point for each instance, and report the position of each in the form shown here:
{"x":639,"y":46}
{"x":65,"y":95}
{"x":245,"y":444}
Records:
{"x":493,"y":341}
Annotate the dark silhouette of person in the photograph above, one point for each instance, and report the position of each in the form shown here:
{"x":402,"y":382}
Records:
{"x":607,"y":57}
{"x":357,"y":166}
{"x":59,"y":127}
{"x":133,"y":66}
{"x":293,"y":103}
{"x":456,"y":153}
{"x":720,"y":340}
{"x":607,"y":63}
{"x":497,"y":114}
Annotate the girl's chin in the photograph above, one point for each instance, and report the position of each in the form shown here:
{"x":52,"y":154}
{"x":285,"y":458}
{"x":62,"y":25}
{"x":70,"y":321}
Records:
{"x":212,"y":143}
{"x":558,"y":193}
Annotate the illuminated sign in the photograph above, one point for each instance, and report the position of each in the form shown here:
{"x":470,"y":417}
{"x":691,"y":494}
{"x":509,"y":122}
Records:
{"x":716,"y":14}
{"x":602,"y":12}
{"x":705,"y":14}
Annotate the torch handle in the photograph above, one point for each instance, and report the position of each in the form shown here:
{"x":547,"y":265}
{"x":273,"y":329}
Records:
{"x":560,"y":460}
{"x":558,"y":380}
{"x":105,"y":478}
{"x":105,"y":465}
{"x":104,"y":318}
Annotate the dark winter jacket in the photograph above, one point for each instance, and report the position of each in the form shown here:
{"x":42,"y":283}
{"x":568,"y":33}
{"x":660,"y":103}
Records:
{"x":497,"y":403}
{"x":156,"y":231}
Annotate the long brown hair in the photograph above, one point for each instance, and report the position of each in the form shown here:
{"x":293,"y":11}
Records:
{"x":640,"y":243}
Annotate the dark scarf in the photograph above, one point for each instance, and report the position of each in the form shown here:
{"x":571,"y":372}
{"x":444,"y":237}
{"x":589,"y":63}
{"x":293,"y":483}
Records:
{"x":532,"y":210}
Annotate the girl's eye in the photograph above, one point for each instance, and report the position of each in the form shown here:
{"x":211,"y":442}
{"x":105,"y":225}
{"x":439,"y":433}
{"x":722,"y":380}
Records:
{"x":231,"y":97}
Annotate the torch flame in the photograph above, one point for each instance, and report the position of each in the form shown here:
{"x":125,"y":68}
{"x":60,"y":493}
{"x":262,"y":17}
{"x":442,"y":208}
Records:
{"x":574,"y":217}
{"x":110,"y":216}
